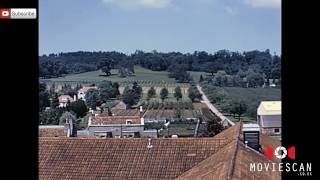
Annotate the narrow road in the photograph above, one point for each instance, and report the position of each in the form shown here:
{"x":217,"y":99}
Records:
{"x":212,"y":108}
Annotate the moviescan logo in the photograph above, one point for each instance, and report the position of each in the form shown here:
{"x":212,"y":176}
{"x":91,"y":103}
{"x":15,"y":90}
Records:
{"x":302,"y":169}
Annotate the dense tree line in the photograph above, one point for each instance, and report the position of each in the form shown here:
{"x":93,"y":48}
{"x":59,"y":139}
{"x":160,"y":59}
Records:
{"x":56,"y":65}
{"x":232,"y":63}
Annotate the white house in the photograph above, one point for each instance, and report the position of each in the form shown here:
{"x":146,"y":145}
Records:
{"x":82,"y":92}
{"x":269,"y":117}
{"x":64,"y":99}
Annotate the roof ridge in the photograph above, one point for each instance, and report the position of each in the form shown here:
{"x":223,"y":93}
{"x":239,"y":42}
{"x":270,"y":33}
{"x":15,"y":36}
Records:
{"x":234,"y":153}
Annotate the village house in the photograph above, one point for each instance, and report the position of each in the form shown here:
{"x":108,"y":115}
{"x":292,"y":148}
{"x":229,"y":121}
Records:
{"x":65,"y":99}
{"x":82,"y":92}
{"x":118,"y":126}
{"x":224,"y":156}
{"x":122,"y":123}
{"x":269,"y":118}
{"x":66,"y":130}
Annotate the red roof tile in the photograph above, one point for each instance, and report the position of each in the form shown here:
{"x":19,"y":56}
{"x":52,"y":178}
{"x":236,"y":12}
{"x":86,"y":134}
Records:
{"x":221,"y":157}
{"x":92,"y":158}
{"x":52,"y":131}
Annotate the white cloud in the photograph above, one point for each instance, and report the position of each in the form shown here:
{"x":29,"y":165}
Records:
{"x":264,"y":3}
{"x":136,"y":4}
{"x":230,"y":10}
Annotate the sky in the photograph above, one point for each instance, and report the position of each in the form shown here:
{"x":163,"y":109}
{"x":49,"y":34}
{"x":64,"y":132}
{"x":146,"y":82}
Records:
{"x":162,"y":25}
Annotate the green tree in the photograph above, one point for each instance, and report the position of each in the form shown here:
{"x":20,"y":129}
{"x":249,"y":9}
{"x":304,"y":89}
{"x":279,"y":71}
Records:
{"x":43,"y":97}
{"x":220,"y":79}
{"x":177,"y":93}
{"x":238,"y":108}
{"x":54,"y":100}
{"x":106,"y":65}
{"x":151,"y":92}
{"x":194,"y":94}
{"x":178,"y":113}
{"x":79,"y":108}
{"x":93,"y":98}
{"x":52,"y":89}
{"x":66,"y":116}
{"x":164,"y":93}
{"x":214,"y":127}
{"x":201,"y":78}
{"x":137,"y":90}
{"x":129,"y":96}
{"x":50,"y":117}
{"x":254,"y":79}
{"x":108,"y":90}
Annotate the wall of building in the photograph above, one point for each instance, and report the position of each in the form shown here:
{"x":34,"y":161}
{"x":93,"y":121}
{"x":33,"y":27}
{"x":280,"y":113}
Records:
{"x":271,"y":131}
{"x":116,"y":130}
{"x":267,"y":121}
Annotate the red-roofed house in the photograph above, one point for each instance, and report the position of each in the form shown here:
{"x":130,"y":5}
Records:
{"x":82,"y":92}
{"x":224,"y":156}
{"x":64,"y":99}
{"x":118,"y":126}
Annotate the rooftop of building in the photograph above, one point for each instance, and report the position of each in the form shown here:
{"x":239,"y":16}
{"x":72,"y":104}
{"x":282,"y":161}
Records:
{"x":269,"y":108}
{"x":52,"y":131}
{"x":104,"y":119}
{"x":221,"y":157}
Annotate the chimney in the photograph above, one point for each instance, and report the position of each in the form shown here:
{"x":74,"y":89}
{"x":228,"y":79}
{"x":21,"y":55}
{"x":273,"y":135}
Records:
{"x":89,"y":121}
{"x":149,"y":146}
{"x":251,"y":136}
{"x":69,"y":127}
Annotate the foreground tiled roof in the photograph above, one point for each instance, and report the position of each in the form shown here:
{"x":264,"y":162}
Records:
{"x":105,"y":119}
{"x":221,"y":157}
{"x":93,"y":158}
{"x":52,"y":131}
{"x":232,"y":162}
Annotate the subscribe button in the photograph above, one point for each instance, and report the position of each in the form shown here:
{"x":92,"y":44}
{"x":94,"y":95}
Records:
{"x":18,"y":13}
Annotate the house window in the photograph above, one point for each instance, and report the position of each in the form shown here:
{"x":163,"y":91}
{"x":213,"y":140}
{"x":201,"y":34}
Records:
{"x":276,"y":130}
{"x":129,"y":121}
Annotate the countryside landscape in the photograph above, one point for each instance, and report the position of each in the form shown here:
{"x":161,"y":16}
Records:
{"x":160,"y":90}
{"x":163,"y":84}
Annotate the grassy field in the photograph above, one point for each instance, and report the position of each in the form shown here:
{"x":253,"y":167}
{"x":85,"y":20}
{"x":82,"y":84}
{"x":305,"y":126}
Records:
{"x":196,"y":75}
{"x":140,"y":74}
{"x":145,"y":77}
{"x":251,"y":96}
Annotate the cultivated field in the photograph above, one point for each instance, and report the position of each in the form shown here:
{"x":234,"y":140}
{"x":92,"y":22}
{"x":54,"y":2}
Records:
{"x":251,"y":96}
{"x":144,"y":77}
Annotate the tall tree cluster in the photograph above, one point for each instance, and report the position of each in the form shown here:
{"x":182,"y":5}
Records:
{"x":131,"y":96}
{"x":262,"y":62}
